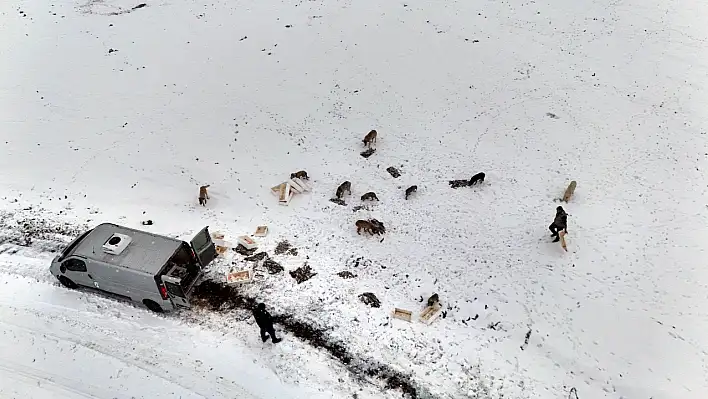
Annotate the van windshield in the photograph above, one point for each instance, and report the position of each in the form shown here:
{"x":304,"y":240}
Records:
{"x":73,"y":245}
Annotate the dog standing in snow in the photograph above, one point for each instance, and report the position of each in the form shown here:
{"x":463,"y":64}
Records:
{"x":370,"y":138}
{"x":203,"y":195}
{"x":365,"y":225}
{"x":478,"y":178}
{"x":378,"y":226}
{"x":434,"y":299}
{"x":300,"y":175}
{"x":569,"y":191}
{"x":410,"y":190}
{"x":369,"y":196}
{"x":344,"y":187}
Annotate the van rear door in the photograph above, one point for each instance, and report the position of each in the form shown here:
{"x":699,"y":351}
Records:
{"x":174,"y":289}
{"x":203,"y":247}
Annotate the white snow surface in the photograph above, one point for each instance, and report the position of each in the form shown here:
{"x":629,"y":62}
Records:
{"x":61,"y":344}
{"x":110,"y":115}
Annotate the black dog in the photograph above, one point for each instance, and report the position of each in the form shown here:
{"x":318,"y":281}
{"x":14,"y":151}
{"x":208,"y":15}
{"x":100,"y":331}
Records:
{"x":378,"y":225}
{"x":369,"y":196}
{"x":478,"y":178}
{"x":410,"y":190}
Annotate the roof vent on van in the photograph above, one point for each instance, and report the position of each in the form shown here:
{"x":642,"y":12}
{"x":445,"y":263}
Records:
{"x":116,"y":244}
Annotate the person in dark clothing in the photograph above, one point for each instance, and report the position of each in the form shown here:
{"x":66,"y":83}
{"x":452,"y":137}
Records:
{"x":265,"y":322}
{"x":559,"y":224}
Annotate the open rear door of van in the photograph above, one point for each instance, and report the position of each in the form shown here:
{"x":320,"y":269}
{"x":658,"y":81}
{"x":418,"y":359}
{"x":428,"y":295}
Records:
{"x":174,"y":289}
{"x":203,"y":247}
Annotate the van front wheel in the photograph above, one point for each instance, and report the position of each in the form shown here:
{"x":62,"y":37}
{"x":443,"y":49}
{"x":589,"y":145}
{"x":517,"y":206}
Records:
{"x":66,"y":282}
{"x":152,"y":305}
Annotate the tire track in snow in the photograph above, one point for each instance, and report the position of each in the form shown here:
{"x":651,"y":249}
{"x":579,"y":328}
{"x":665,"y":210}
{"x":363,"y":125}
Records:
{"x":58,"y":383}
{"x":92,"y":346}
{"x":103,"y":337}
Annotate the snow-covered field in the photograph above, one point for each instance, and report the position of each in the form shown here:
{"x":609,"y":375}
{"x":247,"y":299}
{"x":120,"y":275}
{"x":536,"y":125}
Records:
{"x":62,"y":344}
{"x":108,"y":114}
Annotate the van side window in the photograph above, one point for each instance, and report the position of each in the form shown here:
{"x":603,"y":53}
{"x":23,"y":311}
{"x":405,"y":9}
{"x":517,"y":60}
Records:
{"x":76,"y":265}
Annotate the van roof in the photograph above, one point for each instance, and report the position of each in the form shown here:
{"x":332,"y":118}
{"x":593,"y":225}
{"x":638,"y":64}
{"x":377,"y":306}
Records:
{"x":147,"y":252}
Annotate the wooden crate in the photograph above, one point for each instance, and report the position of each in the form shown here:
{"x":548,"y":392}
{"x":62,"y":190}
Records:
{"x":295,"y":186}
{"x":305,"y":186}
{"x":402,"y":314}
{"x":247,"y":242}
{"x":240,"y":276}
{"x":261,"y":231}
{"x":276,"y":189}
{"x":284,"y":194}
{"x":430,"y":313}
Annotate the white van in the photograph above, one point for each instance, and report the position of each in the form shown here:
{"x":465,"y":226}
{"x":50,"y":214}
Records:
{"x":157,"y":271}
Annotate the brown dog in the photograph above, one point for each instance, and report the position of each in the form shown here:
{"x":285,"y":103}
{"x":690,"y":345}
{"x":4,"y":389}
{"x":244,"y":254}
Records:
{"x":203,"y":195}
{"x":370,"y":138}
{"x":300,"y":175}
{"x":366,"y":226}
{"x":346,"y":186}
{"x":569,"y":191}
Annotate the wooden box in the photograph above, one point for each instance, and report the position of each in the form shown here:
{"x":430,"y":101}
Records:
{"x":402,"y":314}
{"x":240,"y":276}
{"x":247,"y":242}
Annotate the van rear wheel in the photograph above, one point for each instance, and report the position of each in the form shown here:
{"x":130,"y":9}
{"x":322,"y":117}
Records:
{"x":66,"y":282}
{"x":152,"y":305}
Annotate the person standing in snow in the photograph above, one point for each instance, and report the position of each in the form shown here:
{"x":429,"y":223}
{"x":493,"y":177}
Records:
{"x":265,"y":322}
{"x":559,"y":224}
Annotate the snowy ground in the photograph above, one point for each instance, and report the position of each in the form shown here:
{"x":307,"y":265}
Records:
{"x":76,"y":345}
{"x":119,"y":116}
